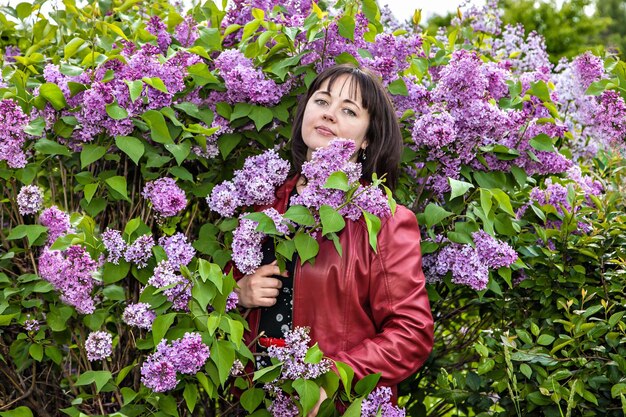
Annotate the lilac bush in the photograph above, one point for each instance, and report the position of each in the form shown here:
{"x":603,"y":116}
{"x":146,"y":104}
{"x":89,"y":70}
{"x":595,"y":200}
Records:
{"x":139,"y":153}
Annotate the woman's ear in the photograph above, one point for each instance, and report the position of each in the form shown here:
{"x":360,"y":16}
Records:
{"x":364,"y":144}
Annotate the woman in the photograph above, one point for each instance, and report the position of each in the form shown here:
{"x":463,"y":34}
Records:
{"x":367,"y":309}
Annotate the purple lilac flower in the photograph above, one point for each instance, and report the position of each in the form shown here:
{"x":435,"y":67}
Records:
{"x":186,"y":355}
{"x":493,"y":252}
{"x":71,"y":273}
{"x":254,"y":184}
{"x":237,"y":369}
{"x":434,"y":129}
{"x":587,"y":68}
{"x":187,"y":31}
{"x":293,"y":353}
{"x":224,"y":199}
{"x":99,"y":345}
{"x":379,"y":401}
{"x":30,"y":199}
{"x":279,"y":221}
{"x":190,"y":353}
{"x":469,"y":270}
{"x":178,"y":251}
{"x":166,"y":197}
{"x":31,"y":325}
{"x":10,"y":53}
{"x":231,"y":301}
{"x":610,"y":122}
{"x":283,"y":406}
{"x":522,"y":53}
{"x":12,"y":136}
{"x":114,"y":244}
{"x":140,"y":251}
{"x":156,"y":27}
{"x":158,"y":372}
{"x":372,"y":200}
{"x":244,"y":82}
{"x":57,"y":222}
{"x":179,"y":293}
{"x":247,"y":246}
{"x":139,"y":315}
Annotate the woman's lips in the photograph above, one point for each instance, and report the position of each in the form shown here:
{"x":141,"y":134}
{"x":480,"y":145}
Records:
{"x":324,"y":131}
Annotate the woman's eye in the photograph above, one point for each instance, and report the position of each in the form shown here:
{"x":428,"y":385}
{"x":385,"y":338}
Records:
{"x":350,"y":112}
{"x":321,"y":102}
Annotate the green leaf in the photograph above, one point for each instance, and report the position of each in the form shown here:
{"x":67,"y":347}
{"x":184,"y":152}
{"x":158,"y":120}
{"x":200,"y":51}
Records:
{"x":47,"y":147}
{"x":309,"y":393}
{"x":180,"y":151}
{"x":226,"y":143}
{"x":270,"y":373}
{"x":53,"y":94}
{"x":223,"y":355}
{"x":100,"y":378}
{"x":306,"y":246}
{"x":201,"y":74}
{"x":156,"y":83}
{"x":542,"y":142}
{"x":114,"y":292}
{"x":112,"y":273}
{"x":545,"y":339}
{"x":5,"y":319}
{"x":206,"y":115}
{"x":355,"y":409}
{"x":134,"y":88}
{"x":526,"y":370}
{"x":30,"y":231}
{"x":338,"y":181}
{"x":373,"y":227}
{"x":131,"y":146}
{"x":434,"y":214}
{"x":236,"y":332}
{"x":367,"y":384}
{"x":72,"y":46}
{"x":116,"y":112}
{"x":458,"y":188}
{"x":36,"y":351}
{"x":313,"y":354}
{"x":191,"y":396}
{"x":36,"y":127}
{"x":261,"y":116}
{"x":252,"y":398}
{"x":504,"y":201}
{"x":300,"y":215}
{"x":90,"y":190}
{"x":346,"y":26}
{"x":91,"y":153}
{"x":17,"y":412}
{"x":161,"y":325}
{"x":158,"y":128}
{"x":540,"y":90}
{"x":346,"y":373}
{"x":118,"y":184}
{"x":332,"y":221}
{"x":167,"y":405}
{"x":398,"y":88}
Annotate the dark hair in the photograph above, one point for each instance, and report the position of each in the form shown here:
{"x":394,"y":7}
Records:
{"x":384,"y":139}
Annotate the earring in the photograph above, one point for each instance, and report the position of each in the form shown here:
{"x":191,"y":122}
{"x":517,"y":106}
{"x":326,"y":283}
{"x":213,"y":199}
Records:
{"x":363,"y":155}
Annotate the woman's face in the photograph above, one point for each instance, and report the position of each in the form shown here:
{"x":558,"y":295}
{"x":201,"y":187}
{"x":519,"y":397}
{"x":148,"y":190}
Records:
{"x":335,"y":113}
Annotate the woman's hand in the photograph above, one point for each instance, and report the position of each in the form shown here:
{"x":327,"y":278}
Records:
{"x":316,"y":408}
{"x":260,"y":289}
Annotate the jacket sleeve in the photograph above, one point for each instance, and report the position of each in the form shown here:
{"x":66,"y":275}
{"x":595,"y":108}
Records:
{"x":399,"y":304}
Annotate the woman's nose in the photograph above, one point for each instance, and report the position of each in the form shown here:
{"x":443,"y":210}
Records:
{"x":329,"y":117}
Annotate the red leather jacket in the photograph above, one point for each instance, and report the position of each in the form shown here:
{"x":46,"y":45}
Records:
{"x":369,"y":310}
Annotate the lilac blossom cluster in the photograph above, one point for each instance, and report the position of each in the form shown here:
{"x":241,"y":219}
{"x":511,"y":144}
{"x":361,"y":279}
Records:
{"x":178,"y":250}
{"x":159,"y":29}
{"x":378,"y":403}
{"x":486,"y":18}
{"x":139,"y":315}
{"x":212,"y":150}
{"x":231,"y":301}
{"x":166,"y":197}
{"x":292,"y":356}
{"x":71,"y":273}
{"x":187,"y":31}
{"x":99,"y":345}
{"x":57,"y":222}
{"x":92,"y":116}
{"x":336,"y":158}
{"x":283,"y":406}
{"x":186,"y":355}
{"x":30,"y":199}
{"x":247,"y":246}
{"x":114,"y":244}
{"x":177,"y":288}
{"x":244,"y":82}
{"x":140,"y":251}
{"x":12,"y":136}
{"x":254,"y":184}
{"x":467,"y":264}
